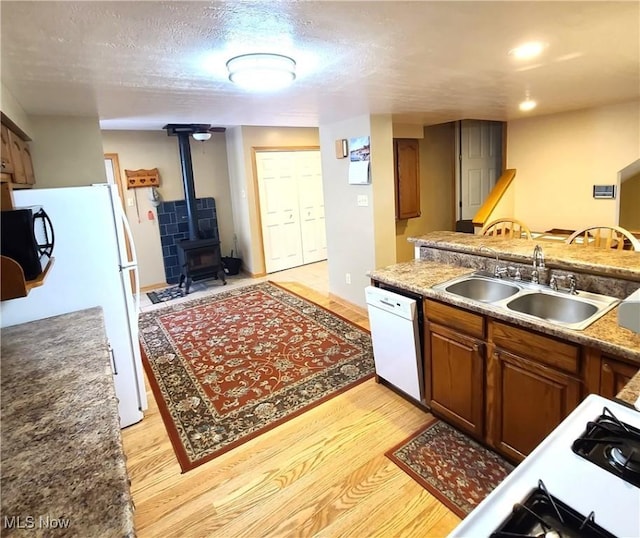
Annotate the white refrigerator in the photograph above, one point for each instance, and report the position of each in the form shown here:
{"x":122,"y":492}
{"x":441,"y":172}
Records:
{"x":91,"y":268}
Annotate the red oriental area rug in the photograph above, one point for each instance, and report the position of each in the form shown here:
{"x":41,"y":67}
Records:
{"x":452,"y":467}
{"x":228,"y":367}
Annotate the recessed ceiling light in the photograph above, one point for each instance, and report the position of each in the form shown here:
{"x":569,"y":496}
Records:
{"x":527,"y":105}
{"x":527,"y":50}
{"x":262,"y":71}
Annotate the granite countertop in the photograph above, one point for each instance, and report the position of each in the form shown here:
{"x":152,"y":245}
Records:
{"x":608,"y":262}
{"x":63,"y":466}
{"x":420,"y":275}
{"x":605,"y":334}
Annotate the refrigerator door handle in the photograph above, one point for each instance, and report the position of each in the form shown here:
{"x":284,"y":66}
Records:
{"x":127,"y":231}
{"x":133,"y":263}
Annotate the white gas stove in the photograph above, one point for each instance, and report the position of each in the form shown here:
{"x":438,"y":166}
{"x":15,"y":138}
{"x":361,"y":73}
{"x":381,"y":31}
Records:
{"x":610,"y":490}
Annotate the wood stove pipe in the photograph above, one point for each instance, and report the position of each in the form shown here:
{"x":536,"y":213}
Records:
{"x":188,"y":183}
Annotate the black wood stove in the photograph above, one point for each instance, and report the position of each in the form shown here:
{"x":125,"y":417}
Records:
{"x":199,"y":256}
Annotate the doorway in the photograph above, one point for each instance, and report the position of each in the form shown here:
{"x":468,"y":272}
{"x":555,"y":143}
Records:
{"x":479,"y":164}
{"x":291,"y":204}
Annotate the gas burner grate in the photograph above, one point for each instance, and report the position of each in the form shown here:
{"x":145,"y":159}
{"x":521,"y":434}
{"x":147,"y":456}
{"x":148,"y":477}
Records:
{"x":611,"y":445}
{"x":543,"y":516}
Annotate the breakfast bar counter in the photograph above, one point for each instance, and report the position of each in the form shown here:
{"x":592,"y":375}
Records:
{"x":63,"y":466}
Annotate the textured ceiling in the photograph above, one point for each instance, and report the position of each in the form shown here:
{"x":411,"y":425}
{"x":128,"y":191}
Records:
{"x":139,"y":65}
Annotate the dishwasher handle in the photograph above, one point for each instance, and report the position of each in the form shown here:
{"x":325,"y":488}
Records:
{"x":391,"y":302}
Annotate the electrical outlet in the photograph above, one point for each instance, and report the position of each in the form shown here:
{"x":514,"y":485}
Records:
{"x":130,"y":202}
{"x":347,"y":278}
{"x":363,"y":200}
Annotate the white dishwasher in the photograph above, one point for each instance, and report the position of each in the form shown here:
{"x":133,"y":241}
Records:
{"x":396,"y":341}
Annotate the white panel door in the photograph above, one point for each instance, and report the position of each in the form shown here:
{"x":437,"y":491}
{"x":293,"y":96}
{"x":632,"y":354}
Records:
{"x":311,"y":203}
{"x":280,"y":215}
{"x":291,"y":208}
{"x":480,"y":163}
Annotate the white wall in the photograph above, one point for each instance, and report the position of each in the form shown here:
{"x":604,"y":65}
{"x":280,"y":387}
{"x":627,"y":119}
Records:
{"x":66,"y":151}
{"x":560,"y":157}
{"x":242,"y":141}
{"x":350,"y":228}
{"x":154,"y":149}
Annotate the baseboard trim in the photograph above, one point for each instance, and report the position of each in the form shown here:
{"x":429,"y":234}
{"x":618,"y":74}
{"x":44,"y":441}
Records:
{"x":152,"y":287}
{"x":348,"y":304}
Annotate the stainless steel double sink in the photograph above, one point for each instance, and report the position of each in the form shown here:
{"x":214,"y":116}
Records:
{"x":532,"y":301}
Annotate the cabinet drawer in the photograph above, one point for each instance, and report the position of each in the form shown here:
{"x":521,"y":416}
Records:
{"x":536,"y":347}
{"x":455,"y":318}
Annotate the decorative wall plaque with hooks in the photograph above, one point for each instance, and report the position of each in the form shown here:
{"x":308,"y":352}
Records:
{"x":142,"y":178}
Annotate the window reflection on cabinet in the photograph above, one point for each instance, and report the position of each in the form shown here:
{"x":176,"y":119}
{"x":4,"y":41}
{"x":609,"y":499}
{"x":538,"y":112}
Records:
{"x":407,"y":177}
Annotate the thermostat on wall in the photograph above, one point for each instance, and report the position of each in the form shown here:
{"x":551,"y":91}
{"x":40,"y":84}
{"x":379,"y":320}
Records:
{"x":604,"y":191}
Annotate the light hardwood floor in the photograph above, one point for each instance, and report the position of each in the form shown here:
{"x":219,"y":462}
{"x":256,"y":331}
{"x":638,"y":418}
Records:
{"x":321,"y":474}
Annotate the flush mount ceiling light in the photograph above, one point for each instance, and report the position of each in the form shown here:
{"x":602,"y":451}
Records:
{"x":201,"y":137}
{"x":262,"y":71}
{"x":527,"y":105}
{"x":527,"y":50}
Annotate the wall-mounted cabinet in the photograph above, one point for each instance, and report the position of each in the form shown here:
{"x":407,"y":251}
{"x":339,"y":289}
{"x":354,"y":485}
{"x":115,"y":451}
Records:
{"x":406,"y":155}
{"x":17,"y":164}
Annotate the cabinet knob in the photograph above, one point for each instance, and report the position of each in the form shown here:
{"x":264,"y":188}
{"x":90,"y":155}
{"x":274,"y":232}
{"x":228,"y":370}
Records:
{"x":606,"y":367}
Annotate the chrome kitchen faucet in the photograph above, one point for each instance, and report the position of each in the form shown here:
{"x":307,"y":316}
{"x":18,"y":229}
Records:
{"x":538,"y":263}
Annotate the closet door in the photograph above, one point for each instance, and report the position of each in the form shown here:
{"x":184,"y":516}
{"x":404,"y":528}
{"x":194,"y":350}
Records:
{"x":279,"y":211}
{"x":311,"y":203}
{"x":291,"y":208}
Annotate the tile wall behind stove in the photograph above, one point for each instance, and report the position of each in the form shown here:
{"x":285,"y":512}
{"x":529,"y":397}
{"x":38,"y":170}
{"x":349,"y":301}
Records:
{"x":172,"y":219}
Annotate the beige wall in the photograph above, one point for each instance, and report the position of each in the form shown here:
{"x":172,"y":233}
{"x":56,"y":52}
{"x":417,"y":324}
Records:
{"x":630,"y":203}
{"x":437,"y":175}
{"x":405,"y":130}
{"x":244,"y":192}
{"x":560,"y":157}
{"x":66,"y":151}
{"x":12,"y":109}
{"x":154,"y":149}
{"x":383,"y":186}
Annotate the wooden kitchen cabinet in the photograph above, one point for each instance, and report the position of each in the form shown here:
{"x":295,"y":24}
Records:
{"x":16,"y":150}
{"x":455,"y":366}
{"x":528,"y":400}
{"x":7,"y":161}
{"x":27,"y":163}
{"x":505,"y":385}
{"x":17,"y":163}
{"x":406,"y":155}
{"x":533,"y":383}
{"x":614,"y":375}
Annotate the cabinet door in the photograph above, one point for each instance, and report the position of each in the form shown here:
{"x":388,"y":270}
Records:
{"x":407,"y":170}
{"x":454,"y":373}
{"x":27,"y":163}
{"x":614,"y":375}
{"x":15,"y":149}
{"x":7,"y":161}
{"x":528,"y":401}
